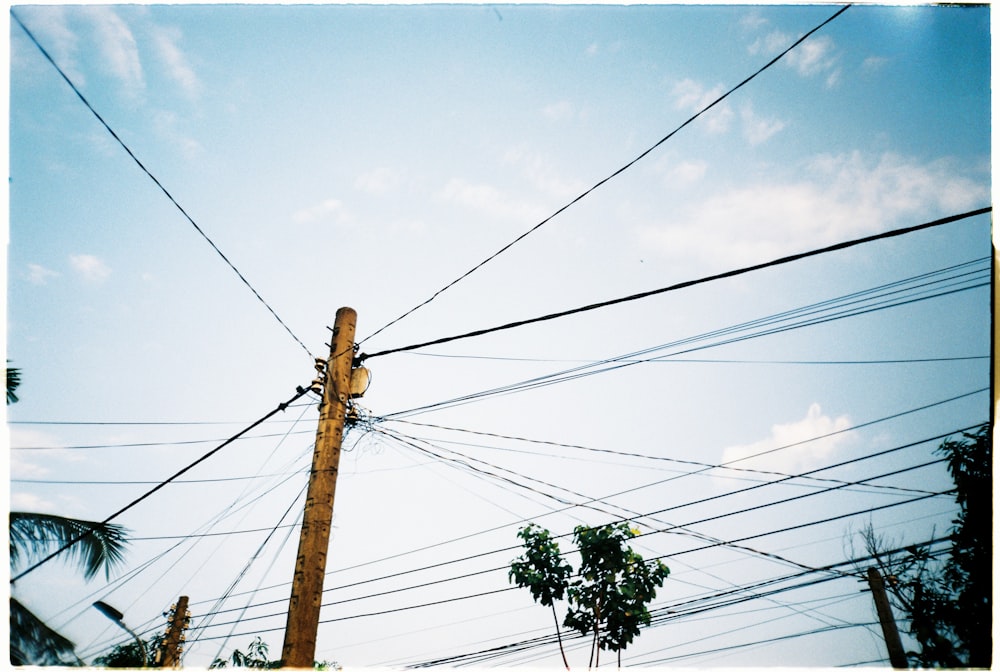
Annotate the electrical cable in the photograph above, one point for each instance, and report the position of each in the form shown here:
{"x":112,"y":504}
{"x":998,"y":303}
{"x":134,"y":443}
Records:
{"x":710,"y":545}
{"x":685,"y":284}
{"x":177,"y":482}
{"x":166,"y":193}
{"x":153,"y":444}
{"x":280,"y":408}
{"x":618,"y":362}
{"x":609,"y":177}
{"x":766,"y":472}
{"x":684,"y":609}
{"x":814,"y":362}
{"x":616,"y":494}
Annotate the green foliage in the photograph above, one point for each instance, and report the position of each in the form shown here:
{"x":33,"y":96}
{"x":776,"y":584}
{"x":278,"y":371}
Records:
{"x":541,"y":569}
{"x":102,"y":545}
{"x":33,"y":534}
{"x":608,"y":598}
{"x":257,"y":656}
{"x":130,"y":654}
{"x":949,"y":604}
{"x":34,"y":643}
{"x":13,"y":382}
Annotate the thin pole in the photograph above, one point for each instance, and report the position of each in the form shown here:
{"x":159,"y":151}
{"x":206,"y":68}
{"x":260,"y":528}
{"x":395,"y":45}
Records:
{"x":299,"y":648}
{"x":897,"y":657}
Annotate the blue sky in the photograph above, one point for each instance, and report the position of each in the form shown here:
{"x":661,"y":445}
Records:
{"x":367,"y":156}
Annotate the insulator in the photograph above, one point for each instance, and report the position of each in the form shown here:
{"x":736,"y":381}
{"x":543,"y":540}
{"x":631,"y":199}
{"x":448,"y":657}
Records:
{"x":320,"y":364}
{"x":317,"y":385}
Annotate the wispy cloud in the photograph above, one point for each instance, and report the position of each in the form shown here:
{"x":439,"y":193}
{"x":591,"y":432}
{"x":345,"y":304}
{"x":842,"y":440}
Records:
{"x":693,"y":96}
{"x":118,"y":47}
{"x":52,"y":27}
{"x":684,"y":173}
{"x":756,"y":129}
{"x":39,"y":275}
{"x":331,"y":210}
{"x":89,"y":267}
{"x":816,"y":55}
{"x":487,"y":200}
{"x":561,"y":110}
{"x":379,"y":181}
{"x":837,"y":197}
{"x":542,"y":173}
{"x":796,"y":458}
{"x":165,"y":42}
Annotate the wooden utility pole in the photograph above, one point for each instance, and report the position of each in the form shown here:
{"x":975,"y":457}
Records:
{"x":897,"y":657}
{"x":169,"y":654}
{"x":299,"y":649}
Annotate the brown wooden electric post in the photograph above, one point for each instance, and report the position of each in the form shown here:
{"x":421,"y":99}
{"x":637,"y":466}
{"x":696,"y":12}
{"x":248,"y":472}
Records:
{"x":299,"y":649}
{"x":897,"y":657}
{"x":169,"y":654}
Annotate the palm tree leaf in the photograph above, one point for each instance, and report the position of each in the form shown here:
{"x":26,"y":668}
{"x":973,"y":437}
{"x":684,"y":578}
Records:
{"x":34,"y":643}
{"x":13,"y":381}
{"x":100,"y":545}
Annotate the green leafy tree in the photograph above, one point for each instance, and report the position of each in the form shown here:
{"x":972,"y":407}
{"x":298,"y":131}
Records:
{"x":257,"y":656}
{"x":130,"y":654}
{"x":543,"y":571}
{"x":948,"y":603}
{"x":608,"y":598}
{"x":32,"y":535}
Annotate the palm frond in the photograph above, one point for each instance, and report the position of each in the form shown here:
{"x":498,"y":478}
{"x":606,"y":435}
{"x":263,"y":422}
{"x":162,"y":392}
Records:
{"x":101,"y":545}
{"x":13,"y":381}
{"x":34,"y":643}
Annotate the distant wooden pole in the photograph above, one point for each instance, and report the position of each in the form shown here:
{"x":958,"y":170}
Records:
{"x":170,"y":650}
{"x":897,"y":657}
{"x":299,"y":648}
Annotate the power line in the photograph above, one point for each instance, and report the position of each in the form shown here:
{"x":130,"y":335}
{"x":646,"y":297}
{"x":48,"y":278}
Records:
{"x":624,"y":361}
{"x":868,"y":423}
{"x":710,"y":544}
{"x":619,"y":453}
{"x":609,"y":177}
{"x":152,"y":444}
{"x":166,"y":193}
{"x":679,"y":610}
{"x":685,"y":284}
{"x":812,"y":362}
{"x":281,"y":407}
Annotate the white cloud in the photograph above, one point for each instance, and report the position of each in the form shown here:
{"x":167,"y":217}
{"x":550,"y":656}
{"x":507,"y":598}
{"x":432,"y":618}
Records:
{"x":756,"y":129}
{"x":89,"y":267}
{"x":692,"y":96}
{"x":379,"y":181}
{"x":39,"y":275}
{"x":814,"y":56}
{"x":118,"y":46}
{"x":165,"y":41}
{"x":542,"y":174}
{"x":60,"y":41}
{"x":770,"y":45}
{"x":837,"y":198}
{"x":686,"y":173}
{"x":753,"y":21}
{"x":558,"y":111}
{"x":797,"y":458}
{"x":24,"y":501}
{"x":488,"y":200}
{"x":874,"y":63}
{"x":330,"y":210}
